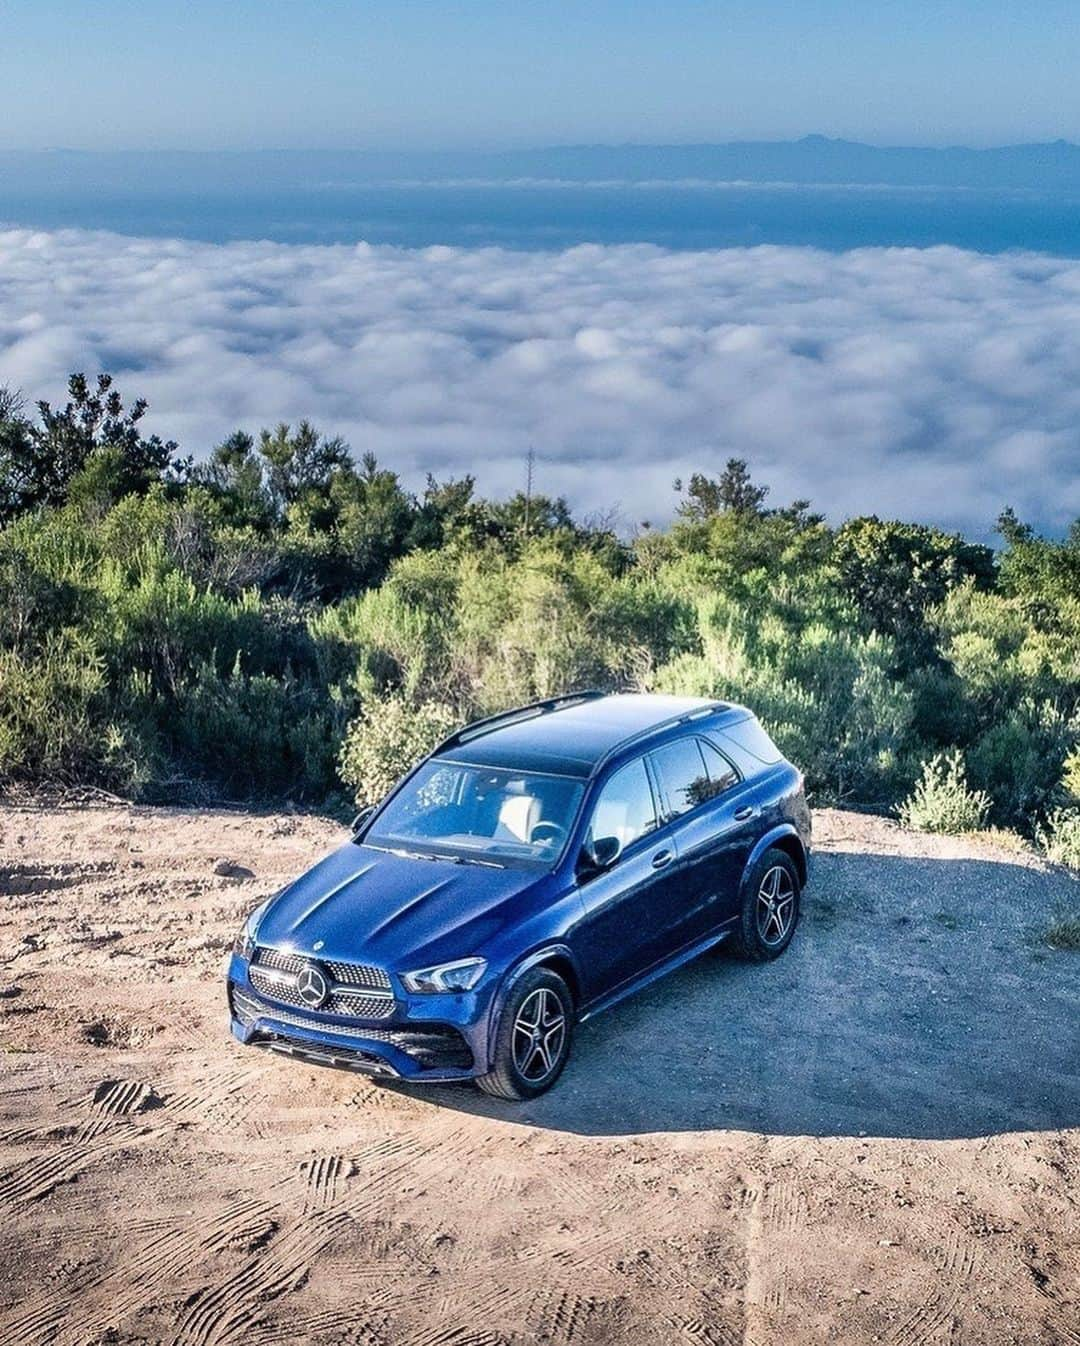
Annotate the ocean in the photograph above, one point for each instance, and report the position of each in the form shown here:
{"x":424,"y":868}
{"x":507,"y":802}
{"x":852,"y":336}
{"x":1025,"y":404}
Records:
{"x":550,"y":216}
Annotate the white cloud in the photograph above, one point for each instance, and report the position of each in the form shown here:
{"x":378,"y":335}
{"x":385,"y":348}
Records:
{"x":937,"y":384}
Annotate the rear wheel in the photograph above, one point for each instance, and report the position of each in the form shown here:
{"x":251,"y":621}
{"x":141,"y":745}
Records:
{"x":770,"y":907}
{"x":533,"y":1038}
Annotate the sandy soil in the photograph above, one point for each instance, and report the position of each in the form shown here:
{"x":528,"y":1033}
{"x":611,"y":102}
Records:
{"x":875,"y":1139}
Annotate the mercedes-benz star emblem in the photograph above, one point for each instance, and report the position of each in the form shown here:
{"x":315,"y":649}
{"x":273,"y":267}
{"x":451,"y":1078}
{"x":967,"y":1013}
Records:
{"x":311,"y":985}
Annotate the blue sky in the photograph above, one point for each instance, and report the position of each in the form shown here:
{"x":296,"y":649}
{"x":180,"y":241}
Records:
{"x":408,"y":74}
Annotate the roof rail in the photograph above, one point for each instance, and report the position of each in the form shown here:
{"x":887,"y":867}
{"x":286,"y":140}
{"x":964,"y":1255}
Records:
{"x":508,"y":717}
{"x":684,"y":717}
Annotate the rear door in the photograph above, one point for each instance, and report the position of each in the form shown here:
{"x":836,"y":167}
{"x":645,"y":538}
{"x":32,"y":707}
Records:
{"x":715,"y":819}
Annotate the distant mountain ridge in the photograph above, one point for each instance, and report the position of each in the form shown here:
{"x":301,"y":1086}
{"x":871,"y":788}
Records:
{"x":1049,"y":166}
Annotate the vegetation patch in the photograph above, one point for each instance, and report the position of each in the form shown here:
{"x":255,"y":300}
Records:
{"x":285,"y":620}
{"x":942,"y":800}
{"x":1060,"y":837}
{"x":1064,"y":933}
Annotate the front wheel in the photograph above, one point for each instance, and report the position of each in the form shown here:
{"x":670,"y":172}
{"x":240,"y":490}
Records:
{"x":533,"y":1037}
{"x":770,"y":907}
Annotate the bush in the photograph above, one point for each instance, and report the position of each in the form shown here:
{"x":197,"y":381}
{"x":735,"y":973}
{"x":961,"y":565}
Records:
{"x":254,"y":736}
{"x":52,"y":721}
{"x":1059,"y":837}
{"x":1063,"y":933}
{"x":387,"y":738}
{"x":942,"y":801}
{"x":827,"y":696}
{"x":1070,"y":779}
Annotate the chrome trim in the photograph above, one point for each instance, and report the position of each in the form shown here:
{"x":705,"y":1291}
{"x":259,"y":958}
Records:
{"x":346,"y":1059}
{"x":248,"y":1009}
{"x":376,"y":980}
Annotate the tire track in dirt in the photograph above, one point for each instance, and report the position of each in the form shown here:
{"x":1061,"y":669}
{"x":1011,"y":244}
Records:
{"x":159,"y":1266}
{"x":227,"y":1311}
{"x":701,"y":1333}
{"x":108,"y":1128}
{"x":322,"y":1177}
{"x":222,"y":1099}
{"x":953,"y":1261}
{"x":560,"y":1315}
{"x":336,"y":1327}
{"x":471,"y":1332}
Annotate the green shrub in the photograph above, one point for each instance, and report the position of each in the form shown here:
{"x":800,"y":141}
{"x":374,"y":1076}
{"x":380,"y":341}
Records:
{"x":53,"y":720}
{"x":254,"y":736}
{"x":826,"y":695}
{"x":1019,"y":759}
{"x":1059,"y":837}
{"x":1063,"y":932}
{"x":942,"y":800}
{"x":1070,"y":779}
{"x":389,"y":736}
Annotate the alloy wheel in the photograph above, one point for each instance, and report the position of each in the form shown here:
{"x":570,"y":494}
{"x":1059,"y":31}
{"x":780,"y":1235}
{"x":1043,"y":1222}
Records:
{"x":775,"y":905}
{"x":539,"y":1035}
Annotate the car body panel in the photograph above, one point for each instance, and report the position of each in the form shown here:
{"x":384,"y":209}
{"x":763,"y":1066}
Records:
{"x":383,"y":903}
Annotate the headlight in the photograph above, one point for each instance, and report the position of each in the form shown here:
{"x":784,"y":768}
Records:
{"x":459,"y":976}
{"x":244,"y":943}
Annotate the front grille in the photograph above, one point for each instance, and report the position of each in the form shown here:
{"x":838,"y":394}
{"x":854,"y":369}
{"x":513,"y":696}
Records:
{"x":359,"y":974}
{"x":348,"y":999}
{"x":283,"y":962}
{"x":431,"y":1045}
{"x":347,"y":974}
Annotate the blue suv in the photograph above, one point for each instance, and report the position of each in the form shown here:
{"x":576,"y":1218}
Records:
{"x":536,"y":868}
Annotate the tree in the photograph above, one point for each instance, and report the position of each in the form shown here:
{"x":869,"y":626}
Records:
{"x":16,"y":453}
{"x":733,"y":490}
{"x":373,"y":517}
{"x":39,"y":462}
{"x":302,"y":462}
{"x":234,"y":474}
{"x":895,"y":572}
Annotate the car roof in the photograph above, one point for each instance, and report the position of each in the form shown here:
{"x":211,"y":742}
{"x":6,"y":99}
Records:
{"x":575,"y":736}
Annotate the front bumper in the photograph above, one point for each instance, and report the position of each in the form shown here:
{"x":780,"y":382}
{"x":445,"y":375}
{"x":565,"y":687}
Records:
{"x":412,"y":1044}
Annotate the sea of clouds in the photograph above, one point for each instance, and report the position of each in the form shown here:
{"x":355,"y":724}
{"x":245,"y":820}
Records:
{"x":932,"y":384}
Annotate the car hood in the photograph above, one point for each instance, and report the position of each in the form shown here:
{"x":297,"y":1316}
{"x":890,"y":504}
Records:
{"x":366,"y":905}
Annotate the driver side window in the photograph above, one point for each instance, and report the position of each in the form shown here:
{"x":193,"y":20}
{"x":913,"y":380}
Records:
{"x":625,"y":808}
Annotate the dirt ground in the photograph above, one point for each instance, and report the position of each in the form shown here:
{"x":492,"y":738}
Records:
{"x":874,"y":1139}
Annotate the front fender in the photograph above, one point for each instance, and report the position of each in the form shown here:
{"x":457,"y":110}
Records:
{"x":515,"y":973}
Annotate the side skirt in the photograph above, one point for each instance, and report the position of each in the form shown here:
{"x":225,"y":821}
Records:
{"x":658,"y":970}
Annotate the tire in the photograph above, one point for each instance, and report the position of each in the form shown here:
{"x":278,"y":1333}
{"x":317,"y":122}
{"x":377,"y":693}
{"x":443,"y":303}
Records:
{"x":769,"y":910}
{"x":529,"y":1053}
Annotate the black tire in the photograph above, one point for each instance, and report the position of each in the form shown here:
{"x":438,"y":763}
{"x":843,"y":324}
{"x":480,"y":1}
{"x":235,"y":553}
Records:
{"x":769,"y":909}
{"x":521,"y":1073}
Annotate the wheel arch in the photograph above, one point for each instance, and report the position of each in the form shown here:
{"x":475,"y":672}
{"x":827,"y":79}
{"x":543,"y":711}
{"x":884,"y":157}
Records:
{"x":786,"y":839}
{"x":558,"y":958}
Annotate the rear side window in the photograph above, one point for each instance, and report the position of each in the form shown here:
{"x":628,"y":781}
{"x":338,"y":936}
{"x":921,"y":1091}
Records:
{"x":684,"y":781}
{"x":749,"y":734}
{"x":722,"y":775}
{"x":625,"y":807}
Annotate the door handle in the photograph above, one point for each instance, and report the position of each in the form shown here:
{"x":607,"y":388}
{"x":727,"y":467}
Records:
{"x":747,"y":811}
{"x":662,"y":858}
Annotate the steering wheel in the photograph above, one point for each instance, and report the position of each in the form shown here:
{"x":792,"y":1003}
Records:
{"x":547,"y":832}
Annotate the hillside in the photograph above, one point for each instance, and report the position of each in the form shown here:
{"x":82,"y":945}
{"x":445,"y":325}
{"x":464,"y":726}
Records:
{"x":875,"y":1139}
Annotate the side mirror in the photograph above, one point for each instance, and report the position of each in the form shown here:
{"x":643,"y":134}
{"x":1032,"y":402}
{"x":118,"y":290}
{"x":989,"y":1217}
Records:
{"x":600,"y":855}
{"x":362,"y":819}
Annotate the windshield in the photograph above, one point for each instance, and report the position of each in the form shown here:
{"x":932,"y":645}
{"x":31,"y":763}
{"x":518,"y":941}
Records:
{"x":487,"y":813}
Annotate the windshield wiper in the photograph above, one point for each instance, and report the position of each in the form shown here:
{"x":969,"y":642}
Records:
{"x":435,"y":855}
{"x":470,"y":860}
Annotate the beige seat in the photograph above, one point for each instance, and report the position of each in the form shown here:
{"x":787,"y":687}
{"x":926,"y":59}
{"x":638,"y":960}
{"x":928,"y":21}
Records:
{"x":518,"y":816}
